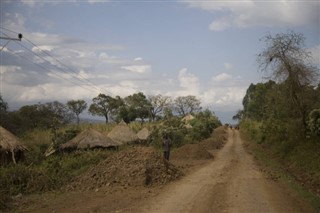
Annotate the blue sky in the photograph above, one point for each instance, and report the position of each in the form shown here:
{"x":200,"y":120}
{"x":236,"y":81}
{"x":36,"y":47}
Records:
{"x":174,"y":48}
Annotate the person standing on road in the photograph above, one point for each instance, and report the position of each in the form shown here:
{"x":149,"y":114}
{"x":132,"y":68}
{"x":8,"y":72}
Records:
{"x":166,"y":146}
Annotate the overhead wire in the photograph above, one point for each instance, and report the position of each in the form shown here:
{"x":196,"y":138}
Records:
{"x":87,"y":81}
{"x":43,"y":67}
{"x":78,"y":76}
{"x":66,"y":66}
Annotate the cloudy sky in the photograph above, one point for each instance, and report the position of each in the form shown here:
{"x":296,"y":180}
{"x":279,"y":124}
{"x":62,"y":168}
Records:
{"x":78,"y":49}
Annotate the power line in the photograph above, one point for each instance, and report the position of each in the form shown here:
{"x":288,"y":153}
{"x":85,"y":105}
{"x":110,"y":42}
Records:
{"x":39,"y":56}
{"x":32,"y":62}
{"x":81,"y":78}
{"x":59,"y":61}
{"x":41,"y":65}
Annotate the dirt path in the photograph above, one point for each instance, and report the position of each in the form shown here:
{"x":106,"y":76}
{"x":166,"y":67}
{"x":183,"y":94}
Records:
{"x":231,"y":183}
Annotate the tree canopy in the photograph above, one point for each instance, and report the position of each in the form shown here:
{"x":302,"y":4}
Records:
{"x":77,"y":107}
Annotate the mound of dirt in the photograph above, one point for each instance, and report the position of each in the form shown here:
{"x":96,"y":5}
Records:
{"x":191,"y":151}
{"x":217,"y":140}
{"x":211,"y":143}
{"x":136,"y":166}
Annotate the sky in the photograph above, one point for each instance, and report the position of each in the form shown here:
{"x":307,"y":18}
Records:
{"x":78,"y":49}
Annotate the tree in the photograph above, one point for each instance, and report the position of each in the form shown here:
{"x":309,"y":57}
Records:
{"x":289,"y":62}
{"x":3,"y":105}
{"x":104,"y":105}
{"x":77,"y":107}
{"x":158,"y":105}
{"x":58,"y":111}
{"x":184,"y":105}
{"x":43,"y":115}
{"x":255,"y":100}
{"x":238,"y":116}
{"x":314,"y":121}
{"x":138,"y":105}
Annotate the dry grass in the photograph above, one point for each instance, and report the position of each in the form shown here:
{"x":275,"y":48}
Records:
{"x":9,"y":142}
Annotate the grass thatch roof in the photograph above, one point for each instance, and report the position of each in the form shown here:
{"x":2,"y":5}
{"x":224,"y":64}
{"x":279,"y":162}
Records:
{"x":143,"y":134}
{"x":89,"y":138}
{"x":187,"y":118}
{"x":187,"y":126}
{"x":9,"y":142}
{"x":123,"y":134}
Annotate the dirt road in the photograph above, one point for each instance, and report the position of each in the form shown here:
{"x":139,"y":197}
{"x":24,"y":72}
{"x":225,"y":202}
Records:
{"x":230,"y":183}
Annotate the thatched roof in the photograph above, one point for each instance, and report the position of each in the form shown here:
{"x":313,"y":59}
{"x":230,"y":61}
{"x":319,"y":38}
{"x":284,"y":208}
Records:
{"x":123,"y":134}
{"x":9,"y":142}
{"x":187,"y":126}
{"x":89,"y":138}
{"x":143,"y":134}
{"x":187,"y":118}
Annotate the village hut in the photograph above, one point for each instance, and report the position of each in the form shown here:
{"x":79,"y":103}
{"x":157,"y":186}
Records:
{"x":123,"y":134}
{"x":89,"y":139}
{"x":144,"y":134}
{"x":187,"y":126}
{"x":187,"y":118}
{"x":11,"y":148}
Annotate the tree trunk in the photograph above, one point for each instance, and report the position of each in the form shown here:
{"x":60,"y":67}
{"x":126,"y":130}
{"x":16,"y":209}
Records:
{"x":78,"y":120}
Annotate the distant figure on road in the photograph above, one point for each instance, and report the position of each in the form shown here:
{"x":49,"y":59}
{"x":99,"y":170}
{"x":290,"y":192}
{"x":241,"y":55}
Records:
{"x":166,"y":146}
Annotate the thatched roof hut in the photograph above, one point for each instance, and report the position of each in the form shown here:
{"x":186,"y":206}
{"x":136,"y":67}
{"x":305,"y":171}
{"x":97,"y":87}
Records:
{"x":143,"y":134}
{"x":187,"y":126}
{"x":187,"y":118}
{"x":11,"y":148}
{"x":123,"y":134}
{"x":89,"y":139}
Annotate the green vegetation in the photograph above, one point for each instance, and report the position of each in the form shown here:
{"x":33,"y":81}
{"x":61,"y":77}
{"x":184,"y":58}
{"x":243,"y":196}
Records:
{"x":42,"y":125}
{"x":279,"y":168}
{"x":282,"y":115}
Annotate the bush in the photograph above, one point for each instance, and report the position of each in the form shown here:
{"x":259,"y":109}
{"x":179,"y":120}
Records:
{"x":314,"y":122}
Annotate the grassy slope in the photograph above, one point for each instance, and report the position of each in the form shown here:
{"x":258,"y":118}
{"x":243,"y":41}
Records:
{"x":298,"y":167}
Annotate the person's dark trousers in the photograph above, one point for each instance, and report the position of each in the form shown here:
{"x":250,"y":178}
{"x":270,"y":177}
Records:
{"x":166,"y":154}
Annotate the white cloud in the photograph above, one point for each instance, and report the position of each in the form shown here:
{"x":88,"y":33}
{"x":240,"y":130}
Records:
{"x":315,"y":53}
{"x":263,"y":13}
{"x":43,"y":48}
{"x":14,"y":21}
{"x":104,"y":55}
{"x":188,"y":82}
{"x":223,"y":98}
{"x":220,"y":25}
{"x":137,"y":68}
{"x":228,"y":66}
{"x":222,"y":77}
{"x":138,"y":59}
{"x":231,"y":96}
{"x":6,"y":69}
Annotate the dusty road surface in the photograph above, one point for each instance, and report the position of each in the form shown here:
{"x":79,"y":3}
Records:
{"x":230,"y":183}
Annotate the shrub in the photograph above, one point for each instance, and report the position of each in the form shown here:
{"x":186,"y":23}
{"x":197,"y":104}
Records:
{"x":314,"y":122}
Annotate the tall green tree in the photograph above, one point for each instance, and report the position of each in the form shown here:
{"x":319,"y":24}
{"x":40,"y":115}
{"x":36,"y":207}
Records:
{"x":255,"y":100}
{"x":77,"y":107}
{"x":104,"y":105}
{"x":138,"y":105}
